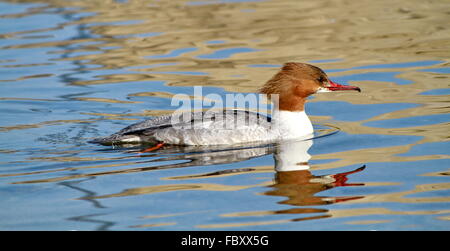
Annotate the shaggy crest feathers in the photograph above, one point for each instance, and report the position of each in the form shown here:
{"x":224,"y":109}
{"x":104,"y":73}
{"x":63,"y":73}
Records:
{"x":289,"y":74}
{"x":290,"y":87}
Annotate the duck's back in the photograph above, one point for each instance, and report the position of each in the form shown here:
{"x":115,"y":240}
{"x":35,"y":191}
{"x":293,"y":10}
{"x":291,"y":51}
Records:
{"x":195,"y":128}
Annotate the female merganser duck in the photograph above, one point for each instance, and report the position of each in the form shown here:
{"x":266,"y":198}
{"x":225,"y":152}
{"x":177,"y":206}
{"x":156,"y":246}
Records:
{"x":292,"y":85}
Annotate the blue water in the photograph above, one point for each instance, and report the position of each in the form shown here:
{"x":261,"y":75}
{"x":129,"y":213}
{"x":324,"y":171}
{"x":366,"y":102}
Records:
{"x":69,"y":74}
{"x":226,"y":53}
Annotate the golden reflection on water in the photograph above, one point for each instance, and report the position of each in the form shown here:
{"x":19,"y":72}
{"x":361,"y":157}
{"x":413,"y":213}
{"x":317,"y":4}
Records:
{"x":281,"y":31}
{"x":332,"y":213}
{"x":299,"y":188}
{"x":355,"y":33}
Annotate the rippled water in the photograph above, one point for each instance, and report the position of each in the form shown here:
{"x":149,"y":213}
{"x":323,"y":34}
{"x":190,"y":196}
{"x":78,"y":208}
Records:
{"x":74,"y":70}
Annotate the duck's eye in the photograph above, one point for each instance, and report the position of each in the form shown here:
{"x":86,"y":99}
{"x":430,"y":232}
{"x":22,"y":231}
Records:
{"x":321,"y":79}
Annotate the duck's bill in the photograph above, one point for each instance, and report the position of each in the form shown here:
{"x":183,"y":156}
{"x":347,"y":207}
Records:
{"x":333,"y":86}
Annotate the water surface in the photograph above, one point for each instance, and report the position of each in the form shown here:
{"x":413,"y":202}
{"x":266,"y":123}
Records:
{"x":74,"y":70}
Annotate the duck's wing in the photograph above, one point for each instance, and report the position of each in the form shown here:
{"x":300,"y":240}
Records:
{"x":130,"y":131}
{"x":197,"y":120}
{"x":189,"y":120}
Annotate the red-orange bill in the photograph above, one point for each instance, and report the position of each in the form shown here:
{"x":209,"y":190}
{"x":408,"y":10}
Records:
{"x":338,"y":87}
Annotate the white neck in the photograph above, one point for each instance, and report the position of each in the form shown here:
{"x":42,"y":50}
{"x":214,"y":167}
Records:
{"x":292,"y":124}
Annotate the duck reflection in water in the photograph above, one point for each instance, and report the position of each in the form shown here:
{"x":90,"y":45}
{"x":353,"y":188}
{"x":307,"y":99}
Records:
{"x":294,"y":180}
{"x":293,"y":177}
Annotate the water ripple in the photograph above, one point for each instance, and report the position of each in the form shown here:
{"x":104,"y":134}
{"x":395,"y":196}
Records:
{"x":75,"y":70}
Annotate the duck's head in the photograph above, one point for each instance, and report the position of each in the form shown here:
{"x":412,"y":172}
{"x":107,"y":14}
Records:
{"x":296,"y":81}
